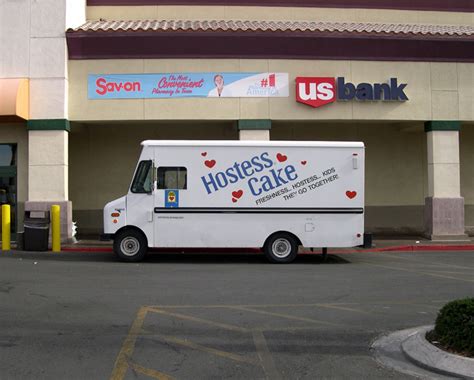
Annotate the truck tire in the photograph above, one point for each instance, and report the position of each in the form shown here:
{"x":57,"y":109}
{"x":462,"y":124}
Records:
{"x":130,"y":245}
{"x":281,"y":248}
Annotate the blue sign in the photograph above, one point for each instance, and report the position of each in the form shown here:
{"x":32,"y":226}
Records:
{"x":171,"y":198}
{"x":185,"y":85}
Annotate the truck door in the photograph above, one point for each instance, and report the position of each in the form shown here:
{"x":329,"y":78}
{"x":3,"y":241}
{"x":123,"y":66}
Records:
{"x":171,"y":186}
{"x":140,"y":199}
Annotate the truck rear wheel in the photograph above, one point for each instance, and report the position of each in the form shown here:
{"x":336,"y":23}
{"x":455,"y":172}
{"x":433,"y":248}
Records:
{"x":281,"y":248}
{"x":130,"y":245}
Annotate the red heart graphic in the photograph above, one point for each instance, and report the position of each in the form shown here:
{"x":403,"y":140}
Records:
{"x":281,"y":157}
{"x":210,"y":163}
{"x":234,"y":200}
{"x":237,"y":194}
{"x":351,"y":194}
{"x":303,"y":162}
{"x":204,"y":154}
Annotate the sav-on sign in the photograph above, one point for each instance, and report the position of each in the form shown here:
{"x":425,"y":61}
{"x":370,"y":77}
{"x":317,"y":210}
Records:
{"x":318,"y":91}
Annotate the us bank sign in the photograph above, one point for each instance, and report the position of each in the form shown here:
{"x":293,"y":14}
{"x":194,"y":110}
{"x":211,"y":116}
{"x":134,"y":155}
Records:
{"x":318,"y":91}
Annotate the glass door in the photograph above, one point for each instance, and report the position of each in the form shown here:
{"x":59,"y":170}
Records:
{"x":8,"y":182}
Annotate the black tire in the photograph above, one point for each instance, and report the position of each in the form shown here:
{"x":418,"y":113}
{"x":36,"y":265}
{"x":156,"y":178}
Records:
{"x":281,"y":248}
{"x":130,"y":245}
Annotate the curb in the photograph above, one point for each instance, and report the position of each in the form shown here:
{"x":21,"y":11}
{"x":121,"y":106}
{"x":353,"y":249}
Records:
{"x":444,"y":247}
{"x":422,"y":353}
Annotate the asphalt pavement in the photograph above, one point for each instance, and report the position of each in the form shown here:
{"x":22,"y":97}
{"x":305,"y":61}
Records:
{"x":79,"y":315}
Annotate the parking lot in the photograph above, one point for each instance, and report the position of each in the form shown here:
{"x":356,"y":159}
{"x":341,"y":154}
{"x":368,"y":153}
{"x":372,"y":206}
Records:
{"x":175,"y":316}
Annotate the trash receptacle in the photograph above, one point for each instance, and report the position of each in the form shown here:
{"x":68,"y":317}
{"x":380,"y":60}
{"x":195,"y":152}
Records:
{"x":36,"y":235}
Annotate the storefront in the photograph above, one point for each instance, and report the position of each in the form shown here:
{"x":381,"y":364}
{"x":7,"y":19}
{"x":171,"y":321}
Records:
{"x":14,"y":106}
{"x":399,"y":80}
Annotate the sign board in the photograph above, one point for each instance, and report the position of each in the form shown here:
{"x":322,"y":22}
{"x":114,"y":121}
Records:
{"x":318,"y":91}
{"x":185,"y":85}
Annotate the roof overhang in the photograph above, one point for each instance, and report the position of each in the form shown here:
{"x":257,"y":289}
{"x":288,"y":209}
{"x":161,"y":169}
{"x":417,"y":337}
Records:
{"x":423,"y":5}
{"x":14,"y":99}
{"x":270,"y":40}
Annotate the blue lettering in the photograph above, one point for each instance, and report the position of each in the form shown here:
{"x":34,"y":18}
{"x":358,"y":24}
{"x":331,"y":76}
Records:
{"x":252,"y":190}
{"x":233,"y":177}
{"x":364,"y":92}
{"x":396,"y":90}
{"x":257,"y":164}
{"x":208,"y":183}
{"x":268,"y":161}
{"x":221,"y":179}
{"x":277,"y":177}
{"x":237,"y":169}
{"x":266,"y":183}
{"x":291,"y":173}
{"x":380,"y":88}
{"x":246,"y":165}
{"x":345,"y":91}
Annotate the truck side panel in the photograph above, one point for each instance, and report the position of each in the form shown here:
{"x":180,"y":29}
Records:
{"x":237,"y":196}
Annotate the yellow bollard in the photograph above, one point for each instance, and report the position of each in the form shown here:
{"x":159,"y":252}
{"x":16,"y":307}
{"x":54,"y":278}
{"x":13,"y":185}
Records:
{"x":56,"y":227}
{"x":6,"y":228}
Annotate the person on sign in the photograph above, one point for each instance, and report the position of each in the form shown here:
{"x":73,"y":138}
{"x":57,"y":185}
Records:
{"x":220,"y":90}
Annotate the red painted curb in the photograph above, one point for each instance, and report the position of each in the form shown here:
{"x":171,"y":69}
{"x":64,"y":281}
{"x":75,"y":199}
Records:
{"x":445,"y":247}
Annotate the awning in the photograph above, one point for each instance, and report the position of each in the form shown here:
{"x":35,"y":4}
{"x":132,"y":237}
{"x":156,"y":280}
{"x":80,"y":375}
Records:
{"x":14,"y":99}
{"x":158,"y":39}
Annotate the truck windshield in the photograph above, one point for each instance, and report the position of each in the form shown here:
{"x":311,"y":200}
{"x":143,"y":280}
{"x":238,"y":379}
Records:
{"x":142,"y":182}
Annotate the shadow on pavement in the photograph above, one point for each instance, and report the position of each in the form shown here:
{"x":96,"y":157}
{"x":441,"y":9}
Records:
{"x":185,"y":258}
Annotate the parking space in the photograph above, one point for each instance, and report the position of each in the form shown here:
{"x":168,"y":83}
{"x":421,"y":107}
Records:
{"x":247,"y":341}
{"x":216,"y":316}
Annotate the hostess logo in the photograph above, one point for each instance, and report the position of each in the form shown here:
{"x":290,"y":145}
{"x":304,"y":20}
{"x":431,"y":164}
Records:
{"x":259,"y":172}
{"x":318,"y":91}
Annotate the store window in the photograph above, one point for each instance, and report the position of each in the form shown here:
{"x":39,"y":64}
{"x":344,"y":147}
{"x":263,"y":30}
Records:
{"x":8,"y":181}
{"x":7,"y":155}
{"x":172,"y":177}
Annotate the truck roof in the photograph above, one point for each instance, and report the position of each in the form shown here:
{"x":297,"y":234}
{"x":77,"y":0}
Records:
{"x":196,"y":143}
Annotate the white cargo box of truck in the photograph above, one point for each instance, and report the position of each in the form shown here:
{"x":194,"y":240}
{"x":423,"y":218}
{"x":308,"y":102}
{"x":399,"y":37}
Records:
{"x":277,"y":195}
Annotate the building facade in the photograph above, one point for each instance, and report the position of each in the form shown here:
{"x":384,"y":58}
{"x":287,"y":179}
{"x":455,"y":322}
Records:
{"x":83,"y":86}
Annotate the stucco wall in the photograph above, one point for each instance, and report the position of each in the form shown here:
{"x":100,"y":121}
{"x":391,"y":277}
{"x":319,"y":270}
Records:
{"x":32,"y":35}
{"x":436,"y":91}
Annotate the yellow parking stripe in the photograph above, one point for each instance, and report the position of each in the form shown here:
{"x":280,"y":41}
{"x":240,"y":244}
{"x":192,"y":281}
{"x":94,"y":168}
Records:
{"x":199,"y":320}
{"x":265,"y":356}
{"x":419,"y":272}
{"x":149,"y":372}
{"x":121,"y":364}
{"x":213,"y":351}
{"x":286,"y":316}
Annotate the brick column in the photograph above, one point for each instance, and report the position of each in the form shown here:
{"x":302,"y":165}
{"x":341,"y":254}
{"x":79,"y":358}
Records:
{"x":254,"y":129}
{"x":444,"y":206}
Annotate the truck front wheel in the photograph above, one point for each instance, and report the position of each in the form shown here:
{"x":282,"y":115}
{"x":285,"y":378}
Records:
{"x":281,"y":248}
{"x":130,"y":245}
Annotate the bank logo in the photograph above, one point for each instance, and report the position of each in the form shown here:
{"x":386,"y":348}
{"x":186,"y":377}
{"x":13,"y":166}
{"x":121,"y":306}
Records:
{"x":318,"y":91}
{"x":315,"y":91}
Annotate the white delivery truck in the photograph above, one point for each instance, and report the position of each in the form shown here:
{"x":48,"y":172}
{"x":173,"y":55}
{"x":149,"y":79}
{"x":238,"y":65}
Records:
{"x":277,"y":195}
